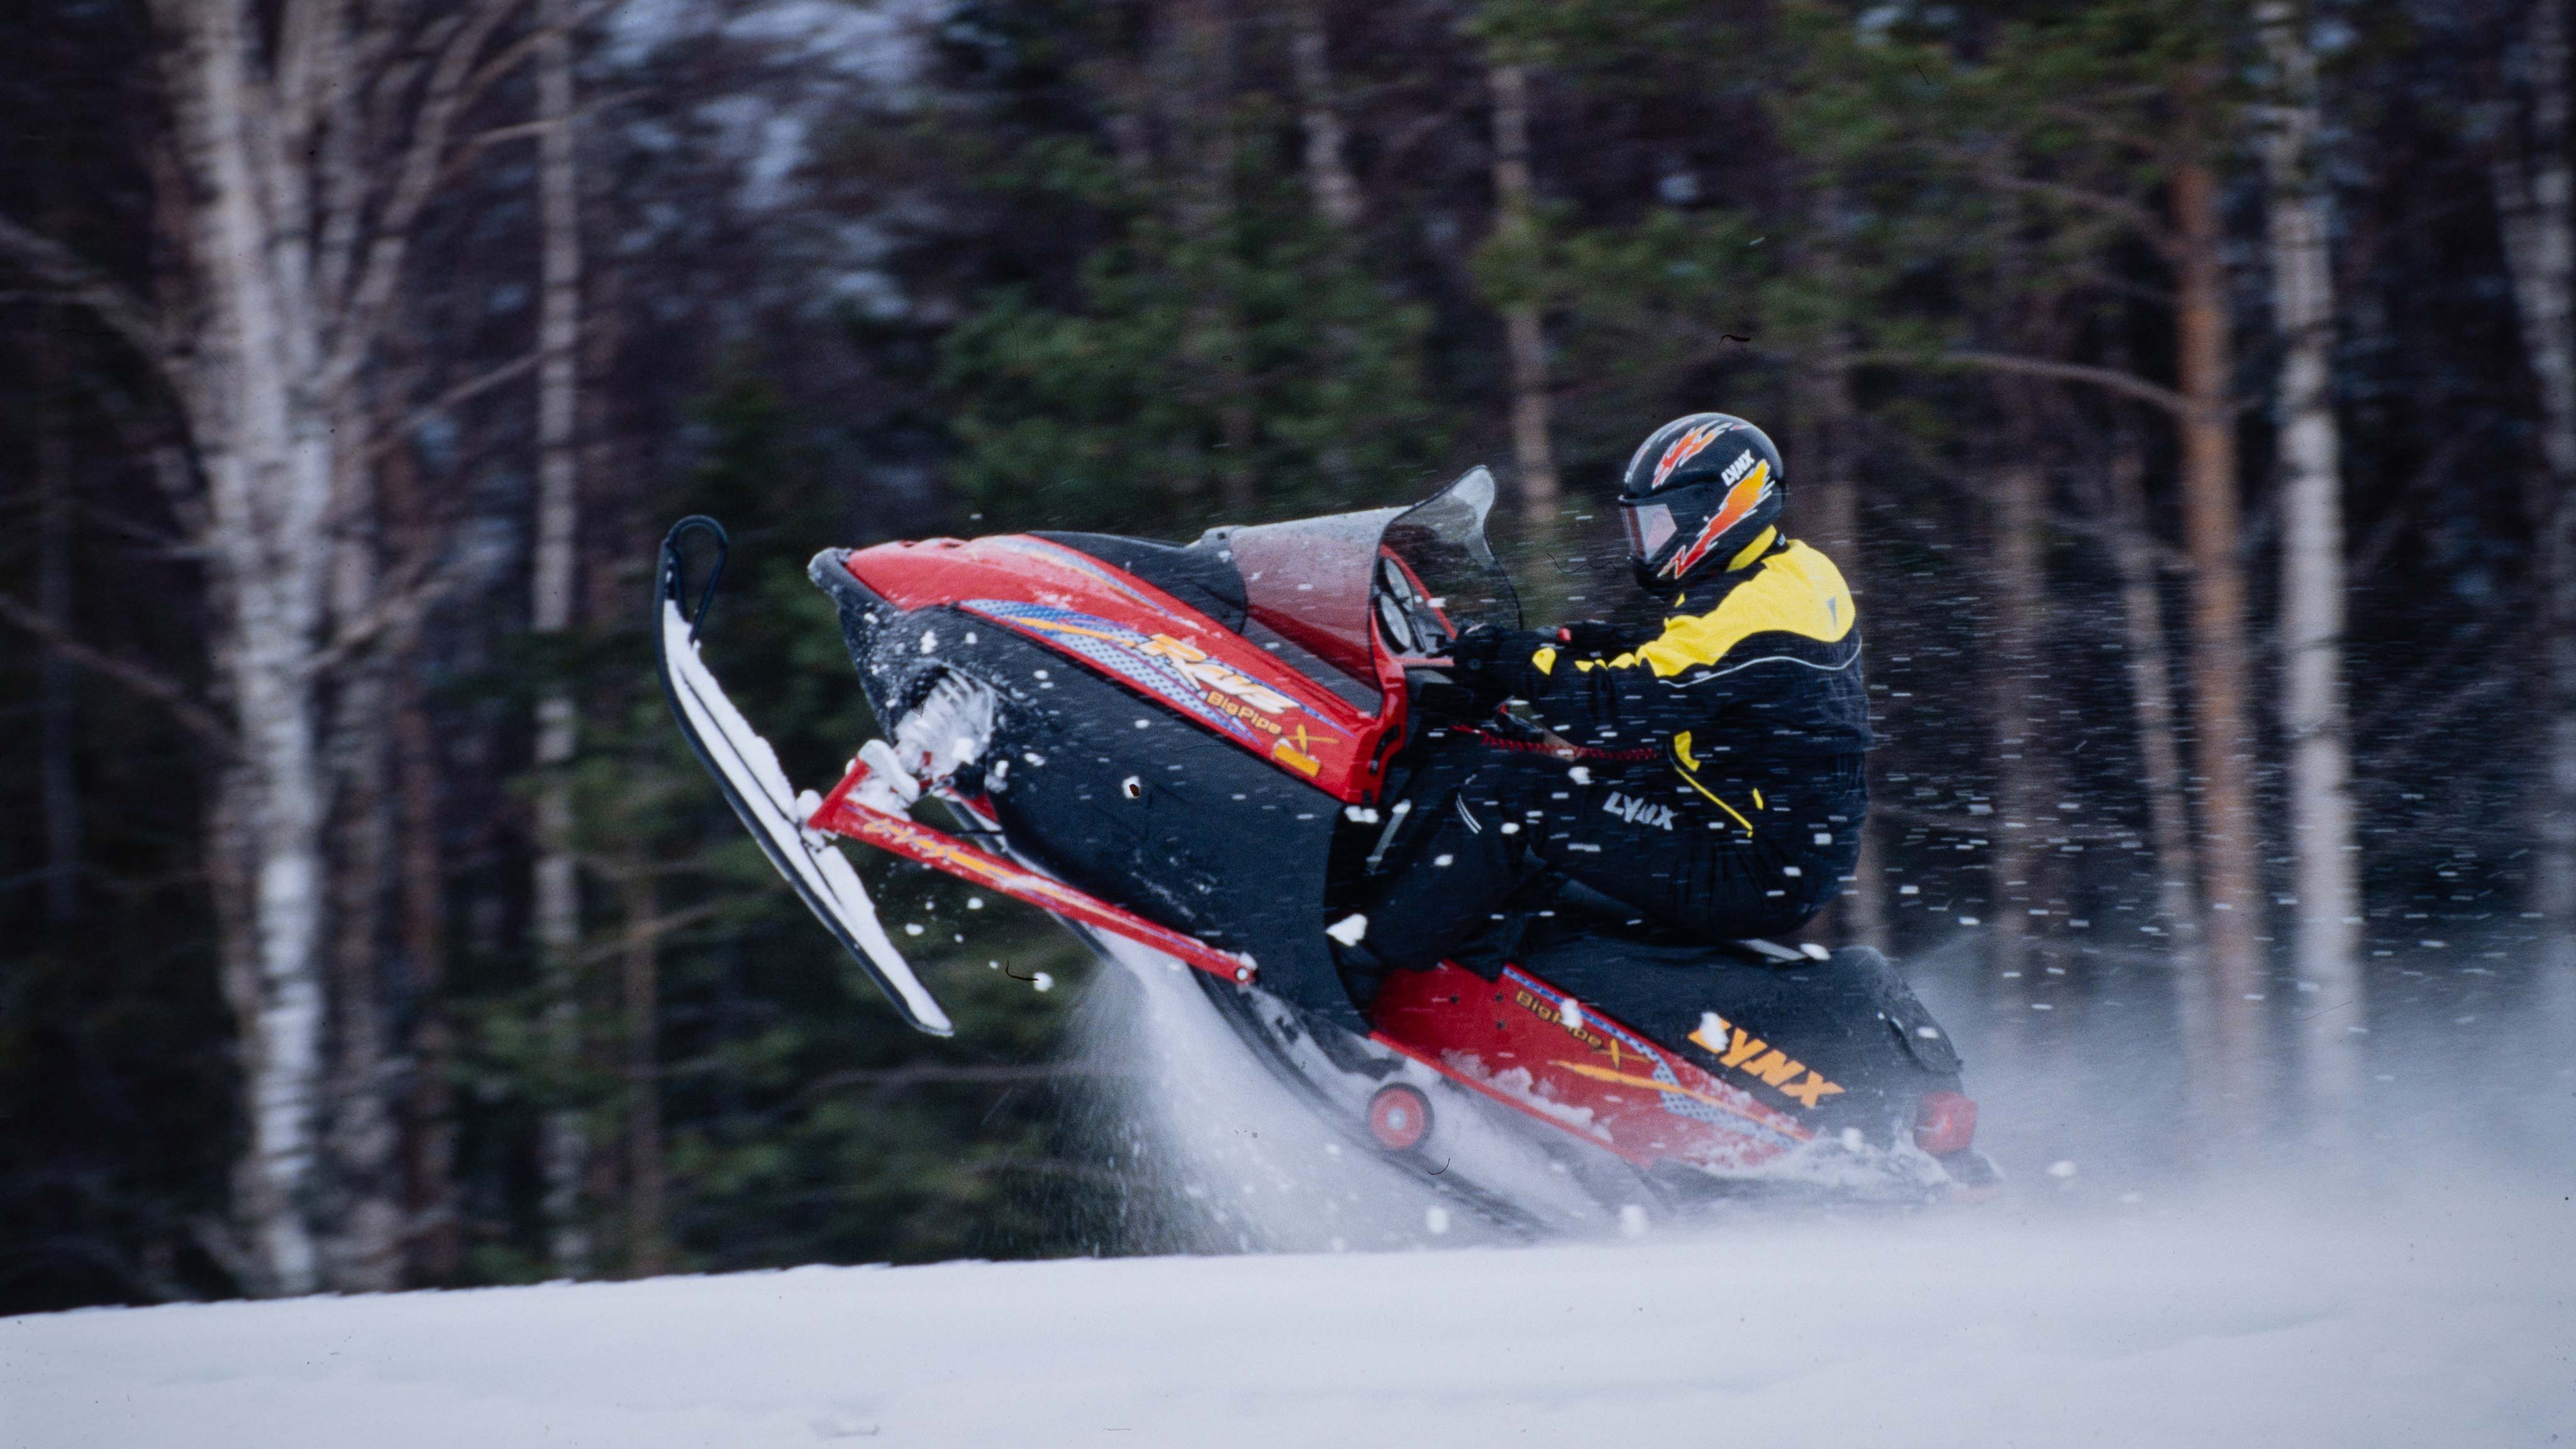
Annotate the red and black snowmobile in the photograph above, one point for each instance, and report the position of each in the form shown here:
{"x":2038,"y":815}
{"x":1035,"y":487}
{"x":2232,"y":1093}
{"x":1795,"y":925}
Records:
{"x":1194,"y":755}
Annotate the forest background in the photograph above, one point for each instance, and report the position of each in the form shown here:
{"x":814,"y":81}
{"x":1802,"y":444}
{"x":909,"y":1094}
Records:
{"x":2186,"y":387}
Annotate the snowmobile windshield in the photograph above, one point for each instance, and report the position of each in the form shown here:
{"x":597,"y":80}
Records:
{"x":1309,"y":579}
{"x":1413,"y":576}
{"x":1436,"y":574}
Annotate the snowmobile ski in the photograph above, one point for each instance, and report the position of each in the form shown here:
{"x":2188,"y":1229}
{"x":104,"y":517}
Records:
{"x":746,"y":770}
{"x":794,"y":829}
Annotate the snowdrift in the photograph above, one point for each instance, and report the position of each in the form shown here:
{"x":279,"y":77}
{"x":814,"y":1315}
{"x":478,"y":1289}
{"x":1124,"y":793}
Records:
{"x":2450,"y":1320}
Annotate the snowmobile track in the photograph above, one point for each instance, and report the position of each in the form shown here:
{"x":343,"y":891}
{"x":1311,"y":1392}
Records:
{"x":1237,"y":1005}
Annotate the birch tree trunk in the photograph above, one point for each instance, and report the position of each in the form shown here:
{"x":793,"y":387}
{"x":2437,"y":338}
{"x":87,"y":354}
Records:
{"x":295,"y":235}
{"x":1533,"y":457}
{"x":2313,"y":719}
{"x":2231,"y":858}
{"x":263,"y":438}
{"x":2531,"y":182}
{"x":1328,"y":173}
{"x":564,"y":1150}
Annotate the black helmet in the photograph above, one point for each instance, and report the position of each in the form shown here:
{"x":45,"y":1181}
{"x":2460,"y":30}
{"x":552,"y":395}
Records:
{"x":1699,"y":489}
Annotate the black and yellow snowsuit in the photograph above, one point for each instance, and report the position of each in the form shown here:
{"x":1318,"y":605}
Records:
{"x":1708,"y":777}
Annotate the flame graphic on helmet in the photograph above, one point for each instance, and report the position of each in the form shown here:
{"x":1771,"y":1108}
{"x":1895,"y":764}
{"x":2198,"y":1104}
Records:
{"x":1740,"y":502}
{"x":1686,"y":447}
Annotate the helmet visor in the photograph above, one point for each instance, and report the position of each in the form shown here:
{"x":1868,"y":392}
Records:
{"x":1649,"y":525}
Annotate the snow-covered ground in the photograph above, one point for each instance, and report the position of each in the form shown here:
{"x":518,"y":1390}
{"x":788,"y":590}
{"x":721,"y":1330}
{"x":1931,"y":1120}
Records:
{"x":2449,"y":1320}
{"x":2422,"y":1296}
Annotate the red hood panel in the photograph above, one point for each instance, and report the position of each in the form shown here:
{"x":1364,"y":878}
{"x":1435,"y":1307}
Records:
{"x":1123,"y":627}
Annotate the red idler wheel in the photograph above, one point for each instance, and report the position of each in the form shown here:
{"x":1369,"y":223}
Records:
{"x":1399,"y":1117}
{"x":1944,"y":1123}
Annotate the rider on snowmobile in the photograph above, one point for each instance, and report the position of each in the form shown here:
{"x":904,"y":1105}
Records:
{"x":1706,"y":775}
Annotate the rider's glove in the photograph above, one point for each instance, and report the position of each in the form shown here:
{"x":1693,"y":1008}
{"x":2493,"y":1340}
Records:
{"x":1495,"y":662}
{"x":1592,"y":639}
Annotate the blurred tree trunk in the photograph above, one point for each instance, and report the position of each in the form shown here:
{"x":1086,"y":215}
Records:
{"x":1830,"y":485}
{"x":59,"y":784}
{"x":1524,"y":340}
{"x":2532,"y":189}
{"x":2019,"y":506}
{"x":2177,"y":867}
{"x":564,"y":1148}
{"x":2231,"y":857}
{"x":1328,"y":172}
{"x":436,"y":1237}
{"x":2313,"y":719}
{"x":363,"y":1224}
{"x":647,"y":1242}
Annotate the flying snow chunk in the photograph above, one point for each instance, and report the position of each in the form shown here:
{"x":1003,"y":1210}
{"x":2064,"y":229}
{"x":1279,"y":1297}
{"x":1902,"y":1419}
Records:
{"x":911,"y":928}
{"x":1632,"y":1221}
{"x":1815,"y":952}
{"x":1043,"y":982}
{"x":1572,"y":1014}
{"x":2061,"y":1169}
{"x":1580,"y":774}
{"x":1436,"y":1218}
{"x":929,"y":640}
{"x":1349,"y":929}
{"x":1442,"y":860}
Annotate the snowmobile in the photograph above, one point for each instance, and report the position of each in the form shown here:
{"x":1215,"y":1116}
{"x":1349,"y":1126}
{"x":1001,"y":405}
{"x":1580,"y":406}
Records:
{"x":1193,"y":756}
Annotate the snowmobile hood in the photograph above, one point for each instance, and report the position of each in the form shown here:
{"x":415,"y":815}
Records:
{"x":1115,"y":623}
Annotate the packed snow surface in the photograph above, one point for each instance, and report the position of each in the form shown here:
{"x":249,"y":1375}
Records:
{"x":2284,"y":1319}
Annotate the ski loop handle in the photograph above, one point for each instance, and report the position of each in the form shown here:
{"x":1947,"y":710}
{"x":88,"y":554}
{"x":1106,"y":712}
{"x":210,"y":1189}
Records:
{"x":675,"y":567}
